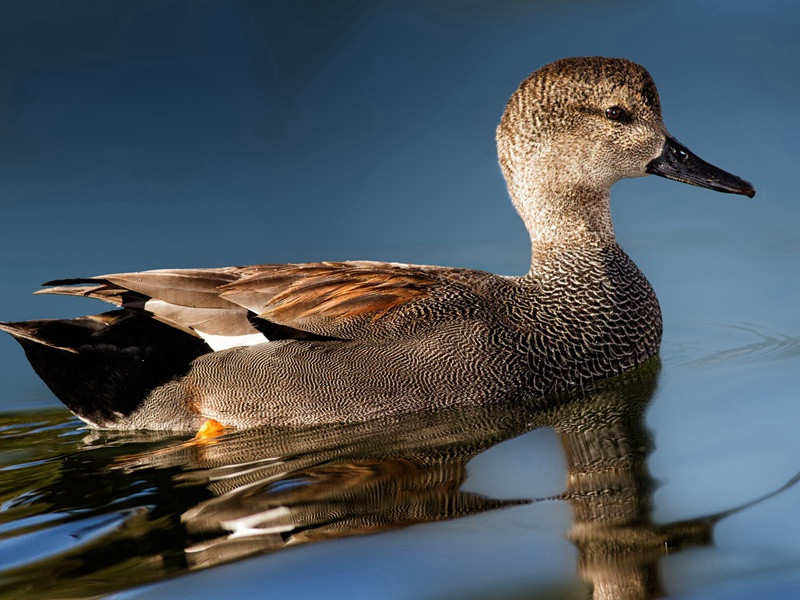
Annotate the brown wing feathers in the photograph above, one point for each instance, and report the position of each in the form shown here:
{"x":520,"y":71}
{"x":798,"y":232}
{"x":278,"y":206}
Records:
{"x":187,"y":299}
{"x":184,"y":287}
{"x":105,"y":291}
{"x":289,"y":293}
{"x":218,"y":300}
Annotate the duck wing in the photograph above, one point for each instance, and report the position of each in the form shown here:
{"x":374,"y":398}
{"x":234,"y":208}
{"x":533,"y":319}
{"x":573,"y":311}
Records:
{"x":187,"y":299}
{"x":340,"y":299}
{"x":233,"y":306}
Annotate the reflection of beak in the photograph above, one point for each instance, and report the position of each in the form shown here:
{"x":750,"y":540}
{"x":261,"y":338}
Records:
{"x":677,"y":162}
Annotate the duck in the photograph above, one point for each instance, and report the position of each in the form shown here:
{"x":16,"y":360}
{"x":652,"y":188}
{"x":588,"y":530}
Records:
{"x":207,"y":349}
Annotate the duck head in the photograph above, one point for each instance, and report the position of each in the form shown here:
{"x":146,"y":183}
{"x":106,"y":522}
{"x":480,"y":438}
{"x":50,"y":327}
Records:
{"x":577,"y":126}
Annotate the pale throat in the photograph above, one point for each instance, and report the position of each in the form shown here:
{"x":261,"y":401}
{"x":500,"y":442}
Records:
{"x":564,"y":215}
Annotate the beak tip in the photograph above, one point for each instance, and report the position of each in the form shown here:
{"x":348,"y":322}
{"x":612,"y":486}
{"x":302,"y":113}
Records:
{"x":745,"y":188}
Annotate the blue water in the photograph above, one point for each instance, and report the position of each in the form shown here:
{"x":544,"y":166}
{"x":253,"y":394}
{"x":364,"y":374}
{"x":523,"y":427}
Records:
{"x":167,"y":134}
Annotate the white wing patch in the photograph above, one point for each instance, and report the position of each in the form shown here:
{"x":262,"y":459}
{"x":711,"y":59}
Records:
{"x":223,"y":342}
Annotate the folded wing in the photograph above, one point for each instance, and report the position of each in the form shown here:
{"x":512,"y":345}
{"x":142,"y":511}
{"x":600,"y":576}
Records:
{"x":233,"y":306}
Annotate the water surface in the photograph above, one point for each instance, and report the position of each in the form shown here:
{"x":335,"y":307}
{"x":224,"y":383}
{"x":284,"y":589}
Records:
{"x":531,"y":499}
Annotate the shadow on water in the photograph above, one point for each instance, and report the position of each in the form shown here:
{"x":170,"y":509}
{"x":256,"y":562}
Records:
{"x":87,"y":515}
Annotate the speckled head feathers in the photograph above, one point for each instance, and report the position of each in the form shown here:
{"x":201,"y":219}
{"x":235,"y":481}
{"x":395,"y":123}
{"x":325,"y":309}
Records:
{"x":562,"y":108}
{"x":585,"y":81}
{"x":560,"y":144}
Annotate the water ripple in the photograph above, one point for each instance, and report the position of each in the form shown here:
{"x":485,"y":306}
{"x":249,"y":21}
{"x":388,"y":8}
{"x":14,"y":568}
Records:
{"x":767,"y":347}
{"x":42,"y":544}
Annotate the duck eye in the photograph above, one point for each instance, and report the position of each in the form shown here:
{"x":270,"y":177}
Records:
{"x":616,"y":113}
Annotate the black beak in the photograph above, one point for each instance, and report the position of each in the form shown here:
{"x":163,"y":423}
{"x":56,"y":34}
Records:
{"x":681,"y":164}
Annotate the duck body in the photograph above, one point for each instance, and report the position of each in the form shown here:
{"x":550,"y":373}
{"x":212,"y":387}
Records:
{"x":476,"y":338}
{"x":336,"y":342}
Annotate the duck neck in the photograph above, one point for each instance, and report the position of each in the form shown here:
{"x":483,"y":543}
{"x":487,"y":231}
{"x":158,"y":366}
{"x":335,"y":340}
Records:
{"x":575,"y":218}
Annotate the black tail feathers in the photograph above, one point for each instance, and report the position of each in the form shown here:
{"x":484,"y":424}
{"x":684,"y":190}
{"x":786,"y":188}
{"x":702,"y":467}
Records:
{"x":103,"y":366}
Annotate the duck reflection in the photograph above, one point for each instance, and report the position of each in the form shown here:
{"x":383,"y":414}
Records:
{"x":272,"y":488}
{"x":609,"y":489}
{"x":188,"y":505}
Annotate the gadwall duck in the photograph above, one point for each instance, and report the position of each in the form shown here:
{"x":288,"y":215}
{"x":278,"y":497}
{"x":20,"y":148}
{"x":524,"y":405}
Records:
{"x":301,"y":344}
